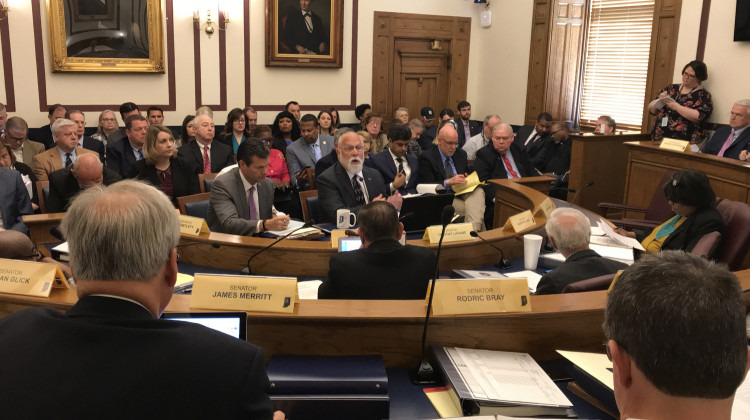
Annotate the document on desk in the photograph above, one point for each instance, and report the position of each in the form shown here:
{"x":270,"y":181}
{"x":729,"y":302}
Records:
{"x":616,"y":253}
{"x":595,"y":364}
{"x":623,"y":240}
{"x":531,"y":277}
{"x":741,"y":406}
{"x":507,"y":377}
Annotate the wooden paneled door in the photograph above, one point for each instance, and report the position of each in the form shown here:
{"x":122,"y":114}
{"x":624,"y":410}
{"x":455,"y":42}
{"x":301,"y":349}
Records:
{"x":420,"y":75}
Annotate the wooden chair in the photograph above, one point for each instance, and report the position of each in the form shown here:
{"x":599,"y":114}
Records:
{"x":205,"y":181}
{"x":42,"y":190}
{"x":194,"y":205}
{"x":303,"y":198}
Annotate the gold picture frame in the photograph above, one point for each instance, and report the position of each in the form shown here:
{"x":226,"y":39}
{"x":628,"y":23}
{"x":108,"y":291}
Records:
{"x":106,"y":36}
{"x":321,"y":34}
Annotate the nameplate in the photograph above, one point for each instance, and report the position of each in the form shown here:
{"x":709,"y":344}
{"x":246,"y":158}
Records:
{"x":480,"y":296}
{"x":453,"y":233}
{"x":335,"y":235}
{"x":244,"y":293}
{"x":30,"y":278}
{"x":546,"y":208}
{"x":192,"y":226}
{"x":675,"y":145}
{"x":520,"y":221}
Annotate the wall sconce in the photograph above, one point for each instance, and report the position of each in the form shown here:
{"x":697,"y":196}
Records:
{"x":209,"y":26}
{"x":4,"y":9}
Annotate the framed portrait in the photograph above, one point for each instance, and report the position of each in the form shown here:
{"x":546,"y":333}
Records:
{"x":106,"y":35}
{"x":304,"y":33}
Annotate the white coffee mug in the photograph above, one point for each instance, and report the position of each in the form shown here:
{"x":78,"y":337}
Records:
{"x":345,"y":219}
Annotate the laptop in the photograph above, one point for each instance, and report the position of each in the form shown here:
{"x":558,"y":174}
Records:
{"x":349,"y":243}
{"x":420,"y":212}
{"x":230,"y":323}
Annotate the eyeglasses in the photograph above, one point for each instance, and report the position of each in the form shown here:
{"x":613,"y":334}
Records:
{"x":348,"y":149}
{"x":108,"y":120}
{"x":688,"y":75}
{"x":240,"y":120}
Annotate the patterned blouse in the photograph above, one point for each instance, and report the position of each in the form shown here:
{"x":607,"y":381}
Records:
{"x":679,"y":127}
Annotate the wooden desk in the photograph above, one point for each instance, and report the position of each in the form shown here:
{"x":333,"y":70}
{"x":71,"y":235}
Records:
{"x":602,"y":159}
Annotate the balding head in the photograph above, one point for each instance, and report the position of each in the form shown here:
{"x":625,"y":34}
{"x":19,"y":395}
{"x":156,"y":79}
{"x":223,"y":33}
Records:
{"x":569,"y":230}
{"x":502,"y":137}
{"x":490,"y":122}
{"x":15,"y":245}
{"x":447,"y":139}
{"x":204,"y":129}
{"x":87,"y":169}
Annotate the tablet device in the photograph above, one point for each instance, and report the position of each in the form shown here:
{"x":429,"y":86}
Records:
{"x":419,"y":212}
{"x":349,"y":243}
{"x":230,"y":323}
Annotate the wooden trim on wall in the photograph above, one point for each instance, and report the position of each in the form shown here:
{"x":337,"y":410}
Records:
{"x":10,"y":93}
{"x":703,"y":31}
{"x":197,"y":32}
{"x":536,"y":85}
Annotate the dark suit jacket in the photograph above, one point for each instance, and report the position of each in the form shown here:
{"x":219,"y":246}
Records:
{"x":426,"y":138}
{"x":221,"y":156}
{"x":326,"y":162}
{"x":555,"y":158}
{"x":698,"y":224}
{"x":384,"y":163}
{"x":295,"y":32}
{"x":228,"y":207}
{"x":384,"y":270}
{"x":123,"y":363}
{"x":489,"y":163}
{"x":335,"y":190}
{"x":43,"y":135}
{"x":432,"y":167}
{"x":63,"y":187}
{"x":120,"y":157}
{"x":475,"y":128}
{"x":184,"y":178}
{"x":14,"y":201}
{"x":535,"y":148}
{"x":720,"y":136}
{"x":580,"y":266}
{"x":95,"y":145}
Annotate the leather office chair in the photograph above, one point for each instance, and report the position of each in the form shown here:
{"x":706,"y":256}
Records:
{"x":309,"y":201}
{"x":707,"y":244}
{"x":195,"y":205}
{"x":656,"y":213}
{"x":736,"y":239}
{"x":42,"y":190}
{"x":590,"y":285}
{"x":205,"y":181}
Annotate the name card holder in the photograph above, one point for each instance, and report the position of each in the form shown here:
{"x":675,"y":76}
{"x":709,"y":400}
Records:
{"x":480,"y":296}
{"x":244,"y":293}
{"x":675,"y":145}
{"x":520,"y":222}
{"x":546,"y":208}
{"x":335,"y":235}
{"x":193,"y":226}
{"x":30,"y":278}
{"x":453,"y":233}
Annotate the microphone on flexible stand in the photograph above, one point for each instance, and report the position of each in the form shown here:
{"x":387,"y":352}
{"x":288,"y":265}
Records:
{"x":503,"y":264}
{"x":424,"y":373}
{"x":247,"y":269}
{"x":581,"y":188}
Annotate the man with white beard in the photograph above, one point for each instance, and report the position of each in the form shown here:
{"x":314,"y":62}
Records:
{"x":348,"y":184}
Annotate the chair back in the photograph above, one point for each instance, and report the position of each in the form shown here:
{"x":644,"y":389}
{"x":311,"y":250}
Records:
{"x":659,"y":208}
{"x":205,"y":181}
{"x":706,"y":245}
{"x":589,"y":285}
{"x":309,"y":202}
{"x":736,"y":239}
{"x":195,"y":205}
{"x":42,"y":190}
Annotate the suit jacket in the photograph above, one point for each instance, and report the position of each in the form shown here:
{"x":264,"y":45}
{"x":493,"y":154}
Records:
{"x":94,"y":145}
{"x":228,"y":208}
{"x":31,"y":149}
{"x":50,"y":161}
{"x":63,"y":187}
{"x":184,"y":178}
{"x":555,"y":158}
{"x":384,"y":163}
{"x":426,"y":138}
{"x":489,"y":163}
{"x":580,"y":266}
{"x":124,"y":364}
{"x":221,"y":156}
{"x":326,"y":162}
{"x":432,"y":167}
{"x":714,"y":145}
{"x":43,"y":135}
{"x":299,"y":154}
{"x":120,"y":157}
{"x":475,"y":127}
{"x":14,"y":200}
{"x":535,"y":148}
{"x":384,"y":270}
{"x":335,"y":190}
{"x":698,"y":224}
{"x":295,"y":32}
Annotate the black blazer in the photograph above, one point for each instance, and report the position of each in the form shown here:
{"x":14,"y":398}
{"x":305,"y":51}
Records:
{"x":555,"y":158}
{"x":698,"y":224}
{"x":432,"y":167}
{"x":580,"y":266}
{"x":326,"y":162}
{"x":221,"y":156}
{"x":120,"y":157}
{"x":335,"y":190}
{"x":384,"y":270}
{"x":184,"y":177}
{"x":125,"y":364}
{"x":384,"y":163}
{"x":533,"y":149}
{"x":426,"y":138}
{"x":475,"y":127}
{"x":63,"y":187}
{"x":95,"y":145}
{"x":43,"y":135}
{"x":720,"y":136}
{"x":489,"y":163}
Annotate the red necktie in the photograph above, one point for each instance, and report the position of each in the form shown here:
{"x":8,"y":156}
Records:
{"x":206,"y":161}
{"x":509,"y":167}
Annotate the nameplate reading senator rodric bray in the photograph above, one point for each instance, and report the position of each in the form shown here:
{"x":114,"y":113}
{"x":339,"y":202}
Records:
{"x":244,"y":293}
{"x":481,"y":296}
{"x":29,"y":278}
{"x":453,"y":233}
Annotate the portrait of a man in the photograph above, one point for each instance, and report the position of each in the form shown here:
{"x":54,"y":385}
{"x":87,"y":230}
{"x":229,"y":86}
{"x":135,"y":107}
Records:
{"x":304,"y":27}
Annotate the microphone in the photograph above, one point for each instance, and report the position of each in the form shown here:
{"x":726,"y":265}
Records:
{"x":406,"y":216}
{"x":247,"y":269}
{"x":503,"y":264}
{"x":424,"y":373}
{"x":581,"y":188}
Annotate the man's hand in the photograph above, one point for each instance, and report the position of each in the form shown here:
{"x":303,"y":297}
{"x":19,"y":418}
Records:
{"x":276,"y":183}
{"x":277,"y":222}
{"x":396,"y":200}
{"x":744,"y":155}
{"x":300,"y":49}
{"x":279,"y":415}
{"x":399,"y":180}
{"x":304,"y":176}
{"x":455,"y":180}
{"x":322,"y":48}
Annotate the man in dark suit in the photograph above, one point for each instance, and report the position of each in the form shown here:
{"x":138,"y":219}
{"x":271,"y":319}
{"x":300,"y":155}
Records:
{"x":304,"y":31}
{"x":206,"y":155}
{"x":125,"y":361}
{"x":532,"y":138}
{"x":466,"y":127}
{"x":306,"y":151}
{"x":44,"y":134}
{"x":66,"y":183}
{"x":348,"y":184}
{"x":731,"y":141}
{"x":85,"y":141}
{"x":400,"y":170}
{"x":382,"y":268}
{"x":14,"y":200}
{"x":554,"y":159}
{"x":569,"y":231}
{"x":122,"y":154}
{"x":241,"y":200}
{"x":446,"y":165}
{"x":430,"y":129}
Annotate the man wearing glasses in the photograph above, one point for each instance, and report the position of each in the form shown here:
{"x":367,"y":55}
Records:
{"x":24,"y":149}
{"x":733,"y":141}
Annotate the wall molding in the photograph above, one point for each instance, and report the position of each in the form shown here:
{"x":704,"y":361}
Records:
{"x":10,"y":92}
{"x":222,"y":106}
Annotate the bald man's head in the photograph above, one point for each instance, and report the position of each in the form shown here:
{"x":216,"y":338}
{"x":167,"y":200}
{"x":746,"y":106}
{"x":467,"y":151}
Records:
{"x":87,"y":169}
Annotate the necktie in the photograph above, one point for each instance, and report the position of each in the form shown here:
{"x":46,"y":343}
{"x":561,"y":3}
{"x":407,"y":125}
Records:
{"x":251,"y":203}
{"x":308,"y":22}
{"x":68,"y":160}
{"x":140,"y":154}
{"x":206,"y":161}
{"x":467,"y":131}
{"x":358,"y":194}
{"x":400,"y":164}
{"x":727,"y":143}
{"x":316,"y":151}
{"x":509,"y":167}
{"x":448,"y":169}
{"x":531,"y":141}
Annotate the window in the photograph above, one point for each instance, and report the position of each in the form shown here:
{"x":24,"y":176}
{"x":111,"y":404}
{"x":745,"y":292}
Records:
{"x":616,"y":61}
